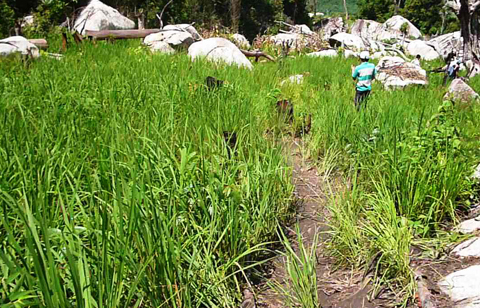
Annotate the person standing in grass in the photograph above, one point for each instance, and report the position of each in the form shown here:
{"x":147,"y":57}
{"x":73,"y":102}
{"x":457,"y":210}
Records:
{"x":364,"y":74}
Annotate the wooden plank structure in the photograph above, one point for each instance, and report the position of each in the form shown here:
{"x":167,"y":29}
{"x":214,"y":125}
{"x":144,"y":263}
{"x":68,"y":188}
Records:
{"x":120,"y":34}
{"x":40,"y":43}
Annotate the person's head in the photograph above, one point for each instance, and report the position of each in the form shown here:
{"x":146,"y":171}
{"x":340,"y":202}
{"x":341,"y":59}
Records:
{"x":419,"y":57}
{"x":364,"y":56}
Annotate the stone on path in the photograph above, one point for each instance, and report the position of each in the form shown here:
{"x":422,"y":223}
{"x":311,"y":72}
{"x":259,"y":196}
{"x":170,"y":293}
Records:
{"x":460,"y":91}
{"x":463,"y":287}
{"x":469,"y":226}
{"x":469,"y":248}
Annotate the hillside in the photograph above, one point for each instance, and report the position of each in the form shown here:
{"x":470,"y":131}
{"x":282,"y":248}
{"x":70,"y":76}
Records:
{"x":336,"y":6}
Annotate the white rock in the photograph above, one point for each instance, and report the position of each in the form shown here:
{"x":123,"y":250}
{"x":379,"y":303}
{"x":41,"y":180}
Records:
{"x":332,"y":26}
{"x":219,"y":49}
{"x":378,"y":55}
{"x":421,"y":48}
{"x":303,"y":29}
{"x":469,"y":248}
{"x":367,"y":29}
{"x":161,"y":47}
{"x":241,"y":41}
{"x":315,"y":14}
{"x":348,"y":40}
{"x":463,"y":286}
{"x":173,"y":37}
{"x":391,"y":29}
{"x":469,"y":226}
{"x":394,"y":72}
{"x":27,"y":21}
{"x":98,"y":16}
{"x":460,"y":91}
{"x":350,"y":54}
{"x":324,"y":53}
{"x":185,"y":27}
{"x":18,"y":44}
{"x":291,"y":39}
{"x":447,"y":43}
{"x":295,"y":79}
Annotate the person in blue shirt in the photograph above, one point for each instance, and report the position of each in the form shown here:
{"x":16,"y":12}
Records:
{"x":364,"y":74}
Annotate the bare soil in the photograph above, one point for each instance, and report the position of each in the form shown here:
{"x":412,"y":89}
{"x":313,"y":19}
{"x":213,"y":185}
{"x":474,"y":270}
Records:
{"x":337,"y":287}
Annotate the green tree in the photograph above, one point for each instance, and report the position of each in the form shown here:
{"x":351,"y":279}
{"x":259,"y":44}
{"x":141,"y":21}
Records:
{"x":7,"y":22}
{"x":425,"y":14}
{"x":379,"y":10}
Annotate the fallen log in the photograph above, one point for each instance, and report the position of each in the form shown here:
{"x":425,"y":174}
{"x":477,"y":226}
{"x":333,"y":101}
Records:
{"x":120,"y":34}
{"x":257,"y":54}
{"x":40,"y":43}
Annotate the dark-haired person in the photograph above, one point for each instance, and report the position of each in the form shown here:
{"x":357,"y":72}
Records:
{"x":364,"y":74}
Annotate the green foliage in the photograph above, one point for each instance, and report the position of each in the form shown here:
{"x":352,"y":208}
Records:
{"x":7,"y":21}
{"x":378,"y":10}
{"x":336,"y":6}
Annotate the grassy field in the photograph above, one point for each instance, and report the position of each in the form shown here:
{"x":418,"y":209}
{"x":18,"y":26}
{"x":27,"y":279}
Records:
{"x":118,"y":188}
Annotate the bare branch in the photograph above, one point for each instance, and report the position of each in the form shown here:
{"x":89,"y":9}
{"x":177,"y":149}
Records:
{"x":161,"y":13}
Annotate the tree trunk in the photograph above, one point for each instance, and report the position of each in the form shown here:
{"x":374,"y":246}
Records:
{"x":346,"y":10}
{"x":141,"y":21}
{"x":235,"y":14}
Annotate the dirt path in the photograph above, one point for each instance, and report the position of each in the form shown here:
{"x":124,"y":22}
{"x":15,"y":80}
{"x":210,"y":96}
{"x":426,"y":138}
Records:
{"x":337,"y":288}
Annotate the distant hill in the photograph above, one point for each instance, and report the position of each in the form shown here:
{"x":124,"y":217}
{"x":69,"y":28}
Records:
{"x":336,"y":6}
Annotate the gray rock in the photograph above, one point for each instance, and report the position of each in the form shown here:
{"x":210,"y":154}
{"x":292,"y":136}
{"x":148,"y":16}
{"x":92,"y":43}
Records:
{"x":391,"y":29}
{"x":175,"y":38}
{"x":463,"y":287}
{"x":347,"y":40}
{"x":161,"y":47}
{"x":98,"y":16}
{"x":18,"y":44}
{"x":241,"y":41}
{"x":332,"y":26}
{"x":219,"y":50}
{"x":367,"y":29}
{"x":394,"y":72}
{"x":469,"y":226}
{"x":185,"y":27}
{"x":469,"y":248}
{"x":447,"y":43}
{"x":460,"y":91}
{"x":421,"y":48}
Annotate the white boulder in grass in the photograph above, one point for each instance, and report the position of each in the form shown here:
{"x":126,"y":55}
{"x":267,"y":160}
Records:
{"x":394,"y":72}
{"x":421,"y":48}
{"x":185,"y":27}
{"x":290,"y":39}
{"x":219,"y":50}
{"x":347,"y":40}
{"x":460,"y":91}
{"x":18,"y":44}
{"x":463,"y":287}
{"x":98,"y":16}
{"x":174,"y":38}
{"x":469,"y":248}
{"x":241,"y":41}
{"x":161,"y":47}
{"x":366,"y":29}
{"x":391,"y":29}
{"x":324,"y":53}
{"x":469,"y":226}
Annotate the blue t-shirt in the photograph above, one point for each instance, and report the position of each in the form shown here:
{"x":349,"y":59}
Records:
{"x":364,"y":73}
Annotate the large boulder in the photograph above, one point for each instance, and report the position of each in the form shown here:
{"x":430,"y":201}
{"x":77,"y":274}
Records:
{"x":98,"y":16}
{"x":367,"y":29}
{"x":394,"y":72}
{"x":421,"y":48}
{"x":27,"y":21}
{"x":391,"y":29}
{"x":219,"y":50}
{"x":348,"y":40}
{"x":330,"y":27}
{"x":460,"y":91}
{"x":241,"y":41}
{"x":18,"y":44}
{"x":175,"y":38}
{"x":185,"y":27}
{"x":302,"y":29}
{"x":161,"y":47}
{"x":447,"y":43}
